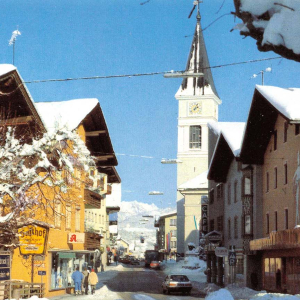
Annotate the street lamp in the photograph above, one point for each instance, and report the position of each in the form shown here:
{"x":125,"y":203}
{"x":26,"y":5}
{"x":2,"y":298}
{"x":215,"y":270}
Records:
{"x":155,"y":193}
{"x":182,"y":75}
{"x":170,"y":161}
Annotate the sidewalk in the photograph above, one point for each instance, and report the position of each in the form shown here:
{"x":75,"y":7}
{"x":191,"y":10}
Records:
{"x":110,"y":272}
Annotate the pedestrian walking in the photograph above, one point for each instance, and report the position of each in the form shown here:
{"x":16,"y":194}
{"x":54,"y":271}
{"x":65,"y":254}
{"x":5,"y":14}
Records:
{"x":85,"y":281}
{"x":77,"y":278}
{"x":93,"y":280}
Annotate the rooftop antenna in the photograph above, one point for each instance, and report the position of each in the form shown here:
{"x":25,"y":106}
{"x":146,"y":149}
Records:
{"x":12,"y":41}
{"x":269,"y":69}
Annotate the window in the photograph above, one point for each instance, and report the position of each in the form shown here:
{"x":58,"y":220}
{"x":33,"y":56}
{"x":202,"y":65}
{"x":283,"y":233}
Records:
{"x":275,"y":140}
{"x":285,"y":174}
{"x":286,"y":218}
{"x":195,"y":137}
{"x":229,"y":228}
{"x":247,"y":185}
{"x":212,"y":225}
{"x":276,"y":221}
{"x":172,"y":222}
{"x":211,"y":196}
{"x":77,"y":219}
{"x":68,"y":216}
{"x":297,"y":129}
{"x":220,"y":191}
{"x":173,"y":244}
{"x":235,"y":192}
{"x":174,"y":233}
{"x":235,"y":227}
{"x":57,"y":214}
{"x":285,"y":130}
{"x":268,"y":223}
{"x":229,"y":194}
{"x":275,"y":178}
{"x":220,"y":223}
{"x":247,"y":224}
{"x":268,"y":182}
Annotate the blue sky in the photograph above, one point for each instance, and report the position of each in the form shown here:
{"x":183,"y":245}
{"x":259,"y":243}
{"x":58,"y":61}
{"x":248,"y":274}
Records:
{"x":71,"y":39}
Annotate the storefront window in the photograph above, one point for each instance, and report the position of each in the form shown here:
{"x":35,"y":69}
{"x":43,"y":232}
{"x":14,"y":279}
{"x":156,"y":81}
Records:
{"x":63,"y":266}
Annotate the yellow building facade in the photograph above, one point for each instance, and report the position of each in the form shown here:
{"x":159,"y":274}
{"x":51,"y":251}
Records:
{"x":58,"y":223}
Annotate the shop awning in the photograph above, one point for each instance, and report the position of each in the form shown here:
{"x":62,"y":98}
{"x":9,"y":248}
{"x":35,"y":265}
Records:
{"x":66,"y":255}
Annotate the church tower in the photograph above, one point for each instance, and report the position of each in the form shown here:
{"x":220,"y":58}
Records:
{"x":198,"y":103}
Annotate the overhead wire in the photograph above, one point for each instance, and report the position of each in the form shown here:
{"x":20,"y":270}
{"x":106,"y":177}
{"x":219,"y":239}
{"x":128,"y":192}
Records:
{"x":148,"y":74}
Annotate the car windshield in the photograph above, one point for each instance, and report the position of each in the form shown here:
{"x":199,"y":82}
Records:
{"x":179,"y":278}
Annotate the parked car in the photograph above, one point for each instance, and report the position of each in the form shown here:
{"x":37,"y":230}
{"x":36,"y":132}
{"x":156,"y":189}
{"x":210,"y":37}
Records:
{"x":134,"y":262}
{"x":177,"y":283}
{"x":155,"y":264}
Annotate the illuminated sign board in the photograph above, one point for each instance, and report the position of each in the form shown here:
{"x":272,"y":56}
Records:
{"x":32,"y":239}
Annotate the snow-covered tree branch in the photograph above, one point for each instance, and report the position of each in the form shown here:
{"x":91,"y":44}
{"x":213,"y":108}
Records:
{"x":37,"y":172}
{"x":274,"y":24}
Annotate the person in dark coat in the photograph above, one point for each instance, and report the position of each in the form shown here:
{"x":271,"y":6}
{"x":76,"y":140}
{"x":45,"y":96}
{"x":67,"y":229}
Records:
{"x":77,"y":278}
{"x":85,"y":281}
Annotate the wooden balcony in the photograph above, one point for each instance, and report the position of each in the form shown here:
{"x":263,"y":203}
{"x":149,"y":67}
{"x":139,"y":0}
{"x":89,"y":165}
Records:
{"x":92,"y":199}
{"x":92,"y":240}
{"x":284,"y":239}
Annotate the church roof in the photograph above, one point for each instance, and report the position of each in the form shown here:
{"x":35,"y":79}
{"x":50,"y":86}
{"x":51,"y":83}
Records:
{"x":198,"y":63}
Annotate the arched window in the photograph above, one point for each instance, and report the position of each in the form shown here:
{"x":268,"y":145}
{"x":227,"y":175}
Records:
{"x":195,"y":137}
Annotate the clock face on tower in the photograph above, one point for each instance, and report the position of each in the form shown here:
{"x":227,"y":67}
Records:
{"x":195,"y":108}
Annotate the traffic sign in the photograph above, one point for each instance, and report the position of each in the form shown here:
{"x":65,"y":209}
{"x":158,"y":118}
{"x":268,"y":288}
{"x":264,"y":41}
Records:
{"x":42,"y":273}
{"x":232,"y":258}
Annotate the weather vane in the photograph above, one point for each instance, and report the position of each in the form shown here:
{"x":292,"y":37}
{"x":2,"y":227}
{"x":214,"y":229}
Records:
{"x":196,"y":3}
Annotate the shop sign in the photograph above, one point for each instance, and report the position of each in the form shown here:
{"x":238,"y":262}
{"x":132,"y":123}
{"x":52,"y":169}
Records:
{"x":39,"y":264}
{"x":204,"y":218}
{"x":221,"y":251}
{"x":76,"y":237}
{"x":214,"y":237}
{"x":32,"y":239}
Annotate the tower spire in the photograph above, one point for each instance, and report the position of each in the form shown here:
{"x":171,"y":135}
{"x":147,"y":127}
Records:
{"x":198,"y":62}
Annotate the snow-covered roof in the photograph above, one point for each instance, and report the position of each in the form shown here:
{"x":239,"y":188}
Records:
{"x":6,"y":68}
{"x":231,"y":131}
{"x":65,"y":113}
{"x":198,"y":182}
{"x":168,"y":214}
{"x":267,"y":103}
{"x":228,"y":146}
{"x":286,"y":101}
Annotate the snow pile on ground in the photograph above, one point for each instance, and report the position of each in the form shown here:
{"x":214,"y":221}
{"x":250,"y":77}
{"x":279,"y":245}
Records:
{"x":213,"y":291}
{"x":231,"y":293}
{"x":220,"y":294}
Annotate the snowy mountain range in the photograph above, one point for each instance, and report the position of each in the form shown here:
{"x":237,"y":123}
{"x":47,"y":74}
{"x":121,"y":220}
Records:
{"x":132,"y":225}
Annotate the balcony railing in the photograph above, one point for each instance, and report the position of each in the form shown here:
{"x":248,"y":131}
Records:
{"x":21,"y":289}
{"x":283,"y":239}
